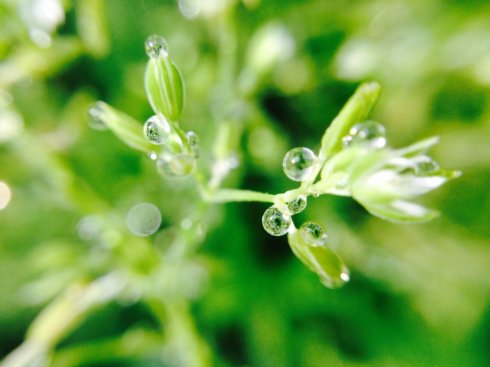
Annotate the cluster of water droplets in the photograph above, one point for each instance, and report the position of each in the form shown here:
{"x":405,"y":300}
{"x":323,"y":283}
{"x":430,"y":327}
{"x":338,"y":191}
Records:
{"x":177,"y":152}
{"x":278,"y":222}
{"x":175,"y":155}
{"x":368,"y":133}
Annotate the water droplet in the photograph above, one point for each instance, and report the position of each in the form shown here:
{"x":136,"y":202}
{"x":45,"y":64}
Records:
{"x":193,"y":141}
{"x":177,"y":165}
{"x":144,"y":219}
{"x":370,"y":133}
{"x":345,"y":276}
{"x":96,"y":117}
{"x":298,"y":163}
{"x":313,"y":234}
{"x":275,"y":222}
{"x":425,"y":165}
{"x":153,"y":156}
{"x":155,"y":46}
{"x":297,"y":205}
{"x":157,"y":130}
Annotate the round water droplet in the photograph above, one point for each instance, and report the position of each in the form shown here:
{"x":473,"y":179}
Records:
{"x":155,"y":46}
{"x":425,"y":165}
{"x":153,"y":156}
{"x":177,"y":165}
{"x":297,"y":205}
{"x":313,"y":234}
{"x":370,"y":133}
{"x":157,"y":130}
{"x":275,"y":222}
{"x":298,"y":163}
{"x":144,"y":219}
{"x":96,"y":117}
{"x":193,"y":141}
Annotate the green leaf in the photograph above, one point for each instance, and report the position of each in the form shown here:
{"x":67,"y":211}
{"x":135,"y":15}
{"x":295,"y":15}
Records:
{"x":325,"y":263}
{"x":164,"y":87}
{"x":355,"y":110}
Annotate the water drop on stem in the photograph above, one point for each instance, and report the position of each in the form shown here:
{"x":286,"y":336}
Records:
{"x":297,"y":205}
{"x":298,"y":163}
{"x":275,"y":222}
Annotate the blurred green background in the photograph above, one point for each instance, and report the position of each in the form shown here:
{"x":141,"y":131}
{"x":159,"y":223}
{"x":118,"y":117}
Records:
{"x":419,"y":294}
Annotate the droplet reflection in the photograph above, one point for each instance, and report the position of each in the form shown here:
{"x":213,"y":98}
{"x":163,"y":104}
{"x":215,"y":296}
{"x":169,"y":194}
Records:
{"x":298,"y":163}
{"x":144,"y":219}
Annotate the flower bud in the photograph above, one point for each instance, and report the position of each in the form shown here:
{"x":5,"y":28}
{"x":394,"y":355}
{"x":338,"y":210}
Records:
{"x":123,"y":126}
{"x":325,"y":263}
{"x":164,"y":85}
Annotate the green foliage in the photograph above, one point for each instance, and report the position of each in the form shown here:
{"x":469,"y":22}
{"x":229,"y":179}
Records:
{"x":125,"y":247}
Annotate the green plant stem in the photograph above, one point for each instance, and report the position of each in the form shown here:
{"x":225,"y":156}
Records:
{"x":61,"y":316}
{"x":234,"y":195}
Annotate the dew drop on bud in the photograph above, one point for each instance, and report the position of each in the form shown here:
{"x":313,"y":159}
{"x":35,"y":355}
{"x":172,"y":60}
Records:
{"x":297,"y":205}
{"x":425,"y":165}
{"x":155,"y":46}
{"x":275,"y":222}
{"x":176,"y":165}
{"x":144,"y":219}
{"x":193,"y":141}
{"x":369,"y":133}
{"x":156,"y":130}
{"x":313,"y":234}
{"x":96,"y":117}
{"x":298,"y":163}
